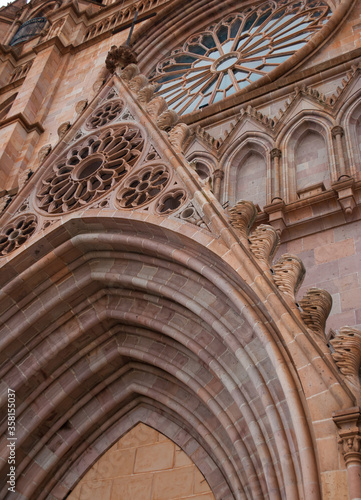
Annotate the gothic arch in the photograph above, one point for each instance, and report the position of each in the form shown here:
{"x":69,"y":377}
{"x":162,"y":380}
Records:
{"x":121,"y":306}
{"x":244,"y":163}
{"x":349,"y":117}
{"x":308,"y":158}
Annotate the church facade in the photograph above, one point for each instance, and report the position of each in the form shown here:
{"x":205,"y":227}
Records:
{"x":180,"y":239}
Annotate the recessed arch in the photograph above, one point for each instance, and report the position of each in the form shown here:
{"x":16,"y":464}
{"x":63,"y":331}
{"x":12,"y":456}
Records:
{"x":126,"y":305}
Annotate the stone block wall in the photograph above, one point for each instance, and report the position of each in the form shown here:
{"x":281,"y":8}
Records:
{"x":143,"y":465}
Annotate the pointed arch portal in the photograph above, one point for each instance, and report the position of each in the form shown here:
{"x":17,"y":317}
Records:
{"x":131,"y":323}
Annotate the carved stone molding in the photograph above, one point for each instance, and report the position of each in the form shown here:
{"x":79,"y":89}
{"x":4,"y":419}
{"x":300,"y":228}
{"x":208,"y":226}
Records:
{"x":316,"y":306}
{"x":119,"y":58}
{"x":264,"y":243}
{"x":81,"y":105}
{"x":347,"y":353}
{"x":242,"y":217}
{"x":289,"y":273}
{"x":218,"y":174}
{"x":348,"y":422}
{"x":337,"y":130}
{"x":276,"y":153}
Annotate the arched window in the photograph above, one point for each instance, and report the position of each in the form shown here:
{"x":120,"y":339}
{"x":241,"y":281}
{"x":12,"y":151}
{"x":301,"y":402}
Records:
{"x":28,"y":30}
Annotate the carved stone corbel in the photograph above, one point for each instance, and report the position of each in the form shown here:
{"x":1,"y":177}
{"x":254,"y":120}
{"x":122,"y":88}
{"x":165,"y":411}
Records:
{"x":276,"y":216}
{"x":146,"y":94}
{"x":119,"y":58}
{"x":344,"y":188}
{"x":178,"y":135}
{"x":138,"y":82}
{"x":156,"y":106}
{"x":316,"y":306}
{"x":347,"y":354}
{"x":129,"y":72}
{"x":289,"y":272}
{"x":349,"y":422}
{"x":242,"y":217}
{"x":167,"y":120}
{"x":264,"y":243}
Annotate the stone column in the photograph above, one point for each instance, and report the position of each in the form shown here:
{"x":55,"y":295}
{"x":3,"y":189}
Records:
{"x":217,"y":176}
{"x":275,"y":161}
{"x":349,"y":425}
{"x":337,"y":133}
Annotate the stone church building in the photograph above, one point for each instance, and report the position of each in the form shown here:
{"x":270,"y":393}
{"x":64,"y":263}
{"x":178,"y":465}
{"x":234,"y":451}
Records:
{"x":180,"y":240}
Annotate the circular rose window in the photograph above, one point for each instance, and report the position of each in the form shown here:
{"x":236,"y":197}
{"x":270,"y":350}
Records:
{"x":236,"y":52}
{"x":89,"y":169}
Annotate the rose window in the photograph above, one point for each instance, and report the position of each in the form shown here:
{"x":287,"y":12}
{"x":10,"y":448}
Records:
{"x":105,"y":114}
{"x":143,"y":188}
{"x":16,"y":233}
{"x":236,"y":52}
{"x":90,"y":169}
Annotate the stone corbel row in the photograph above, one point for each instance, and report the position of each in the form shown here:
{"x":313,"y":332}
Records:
{"x":287,"y":273}
{"x":123,"y":61}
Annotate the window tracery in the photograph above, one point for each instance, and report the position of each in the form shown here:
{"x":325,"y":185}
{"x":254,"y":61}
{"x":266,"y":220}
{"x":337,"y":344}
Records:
{"x":239,"y":50}
{"x":90,"y":168}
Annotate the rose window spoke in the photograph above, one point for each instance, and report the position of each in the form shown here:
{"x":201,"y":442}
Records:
{"x":236,"y":52}
{"x":90,"y":169}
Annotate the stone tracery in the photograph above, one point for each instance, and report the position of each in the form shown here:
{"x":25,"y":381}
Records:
{"x":16,"y":233}
{"x":90,"y":169}
{"x":239,"y":50}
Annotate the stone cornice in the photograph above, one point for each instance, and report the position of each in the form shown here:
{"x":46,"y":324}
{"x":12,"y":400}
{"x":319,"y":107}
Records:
{"x":20,"y":118}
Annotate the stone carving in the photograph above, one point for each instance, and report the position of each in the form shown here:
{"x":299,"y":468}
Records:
{"x":89,"y":169}
{"x":129,"y":72}
{"x":106,"y":113}
{"x":24,"y":176}
{"x":98,"y":85}
{"x":143,"y":187}
{"x":264,"y":243}
{"x":64,"y":127}
{"x":146,"y":94}
{"x":347,"y":353}
{"x":44,"y":152}
{"x":152,"y":154}
{"x":167,"y":120}
{"x":242,"y":217}
{"x":156,"y":106}
{"x":119,"y":58}
{"x":16,"y":233}
{"x":171,"y":201}
{"x":190,"y":214}
{"x":289,"y":273}
{"x":138,"y":82}
{"x":316,"y":306}
{"x":81,"y":105}
{"x":178,"y":135}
